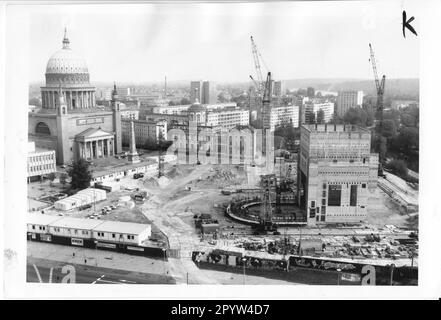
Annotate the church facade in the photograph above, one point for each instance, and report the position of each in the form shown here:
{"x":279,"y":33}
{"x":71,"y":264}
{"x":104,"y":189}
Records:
{"x":69,"y":120}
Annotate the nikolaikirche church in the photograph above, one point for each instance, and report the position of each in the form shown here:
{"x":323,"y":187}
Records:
{"x":69,"y":120}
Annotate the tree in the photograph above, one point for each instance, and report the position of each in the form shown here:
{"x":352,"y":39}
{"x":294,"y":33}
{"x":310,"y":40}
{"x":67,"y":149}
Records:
{"x":51,"y":176}
{"x":35,"y":102}
{"x":356,"y":116}
{"x":320,"y":116}
{"x":80,"y":174}
{"x":389,"y":128}
{"x":398,"y":167}
{"x":185,"y":101}
{"x":380,"y":146}
{"x":63,"y":179}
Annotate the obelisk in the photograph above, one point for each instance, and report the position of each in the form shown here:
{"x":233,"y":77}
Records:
{"x":132,"y":156}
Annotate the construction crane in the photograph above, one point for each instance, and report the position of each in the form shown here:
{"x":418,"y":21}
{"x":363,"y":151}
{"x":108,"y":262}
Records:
{"x":379,"y":85}
{"x":380,"y":94}
{"x":284,"y":185}
{"x":267,"y":186}
{"x":256,"y":56}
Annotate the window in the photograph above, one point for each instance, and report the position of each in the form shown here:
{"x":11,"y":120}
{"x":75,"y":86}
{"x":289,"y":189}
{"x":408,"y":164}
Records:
{"x":353,"y":196}
{"x":363,"y":185}
{"x":33,"y":227}
{"x":42,"y":128}
{"x":334,"y":195}
{"x":323,"y":210}
{"x":313,"y":204}
{"x":323,"y":202}
{"x":113,"y":235}
{"x":324,"y":194}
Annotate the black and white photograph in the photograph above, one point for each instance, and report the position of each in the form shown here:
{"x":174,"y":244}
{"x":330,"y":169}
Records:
{"x":232,"y":145}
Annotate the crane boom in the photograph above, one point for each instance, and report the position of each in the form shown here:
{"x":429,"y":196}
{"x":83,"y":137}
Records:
{"x":256,"y":60}
{"x":379,"y":85}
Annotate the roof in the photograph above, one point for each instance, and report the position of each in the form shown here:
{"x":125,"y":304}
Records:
{"x":83,"y":195}
{"x":76,"y":223}
{"x":41,"y":219}
{"x":122,"y":227}
{"x":93,"y":133}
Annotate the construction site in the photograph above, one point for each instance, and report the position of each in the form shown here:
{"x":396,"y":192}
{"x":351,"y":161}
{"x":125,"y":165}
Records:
{"x":328,"y":207}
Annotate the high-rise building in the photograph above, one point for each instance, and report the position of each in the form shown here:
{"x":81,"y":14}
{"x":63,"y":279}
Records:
{"x":277,"y":88}
{"x":348,"y":99}
{"x":209,"y":93}
{"x":313,"y":106}
{"x":280,"y":115}
{"x":336,"y":172}
{"x":203,"y":91}
{"x":195,"y":91}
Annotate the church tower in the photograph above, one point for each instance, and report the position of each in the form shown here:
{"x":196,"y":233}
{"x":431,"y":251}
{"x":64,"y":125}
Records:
{"x":116,"y":120}
{"x":63,"y":143}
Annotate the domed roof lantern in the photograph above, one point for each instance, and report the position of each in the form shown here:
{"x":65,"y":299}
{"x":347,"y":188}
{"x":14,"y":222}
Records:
{"x":65,"y":40}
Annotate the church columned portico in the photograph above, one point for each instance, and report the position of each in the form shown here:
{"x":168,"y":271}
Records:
{"x":95,"y":144}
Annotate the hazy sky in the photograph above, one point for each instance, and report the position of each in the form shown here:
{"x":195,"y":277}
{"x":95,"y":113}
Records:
{"x":135,"y":43}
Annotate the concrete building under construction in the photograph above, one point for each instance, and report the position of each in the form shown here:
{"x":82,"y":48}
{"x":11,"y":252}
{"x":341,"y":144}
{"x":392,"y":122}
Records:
{"x":335,"y":172}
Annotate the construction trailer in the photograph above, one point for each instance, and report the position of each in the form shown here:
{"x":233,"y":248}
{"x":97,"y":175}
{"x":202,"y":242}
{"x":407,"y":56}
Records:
{"x":81,"y":198}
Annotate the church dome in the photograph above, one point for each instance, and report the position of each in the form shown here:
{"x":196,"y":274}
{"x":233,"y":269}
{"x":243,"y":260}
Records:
{"x":66,"y":67}
{"x":66,"y":61}
{"x":197,"y":107}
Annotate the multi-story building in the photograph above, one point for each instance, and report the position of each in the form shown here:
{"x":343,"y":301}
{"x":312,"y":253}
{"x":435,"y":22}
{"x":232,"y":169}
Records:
{"x":313,"y":106}
{"x":279,"y":115}
{"x":148,"y":130}
{"x":209,"y":93}
{"x":277,"y":88}
{"x":336,"y":172}
{"x":347,"y":100}
{"x":195,"y":91}
{"x":182,"y":109}
{"x":228,"y":118}
{"x":40,"y":161}
{"x":130,"y":113}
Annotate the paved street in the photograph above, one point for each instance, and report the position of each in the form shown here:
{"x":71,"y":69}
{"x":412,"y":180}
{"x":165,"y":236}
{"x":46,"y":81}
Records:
{"x":49,"y":271}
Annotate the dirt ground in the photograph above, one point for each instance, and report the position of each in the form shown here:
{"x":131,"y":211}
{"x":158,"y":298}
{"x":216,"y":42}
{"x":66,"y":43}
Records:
{"x":382,"y":210}
{"x":187,"y":190}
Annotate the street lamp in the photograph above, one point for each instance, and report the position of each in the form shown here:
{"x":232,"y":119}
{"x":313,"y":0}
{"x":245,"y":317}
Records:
{"x":338,"y":276}
{"x":244,"y":260}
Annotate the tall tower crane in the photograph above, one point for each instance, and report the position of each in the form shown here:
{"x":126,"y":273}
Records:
{"x":379,"y":85}
{"x":256,"y":55}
